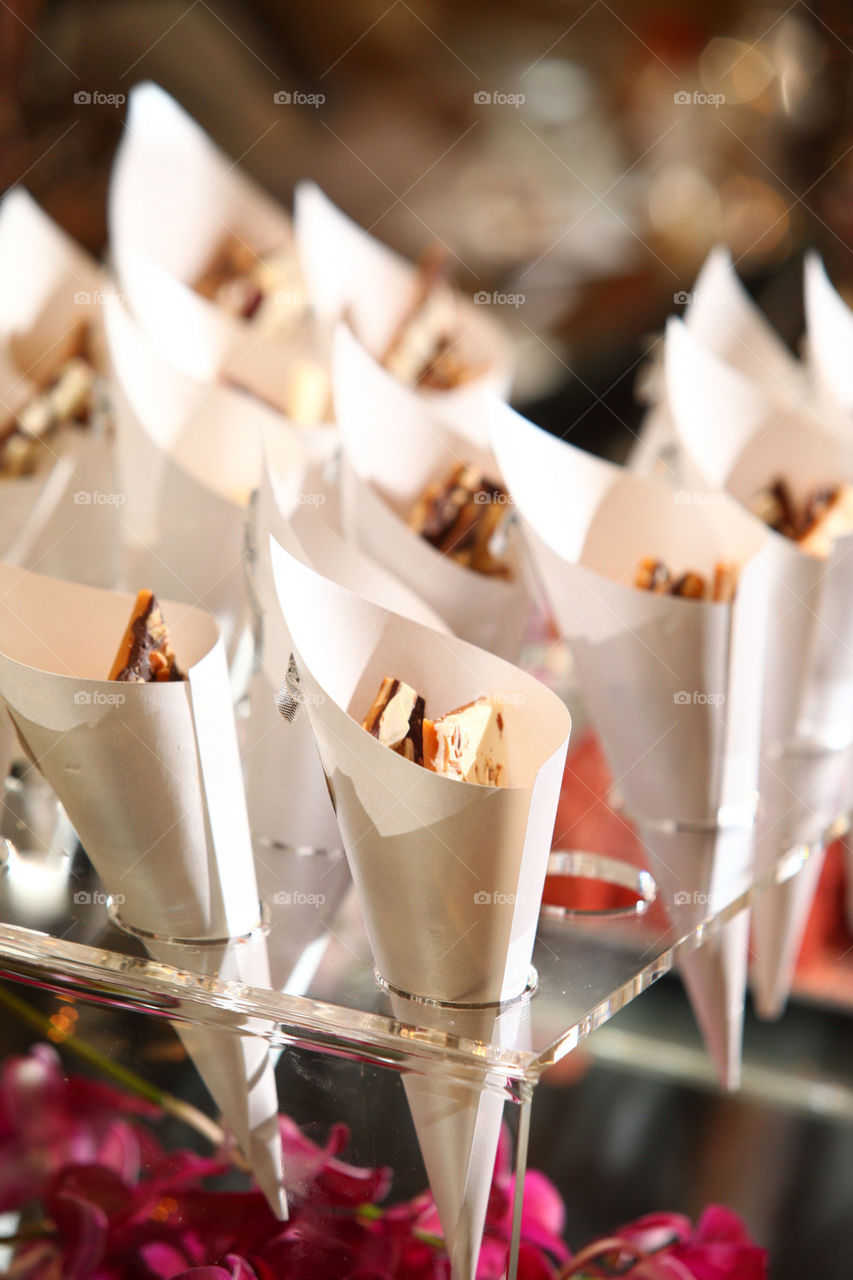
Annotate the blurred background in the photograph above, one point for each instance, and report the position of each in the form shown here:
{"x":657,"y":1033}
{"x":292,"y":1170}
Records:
{"x":578,"y":158}
{"x":581,"y":155}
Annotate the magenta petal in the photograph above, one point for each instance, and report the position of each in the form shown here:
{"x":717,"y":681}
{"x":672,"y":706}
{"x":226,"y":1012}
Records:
{"x":657,"y":1230}
{"x":719,"y":1223}
{"x":82,"y":1227}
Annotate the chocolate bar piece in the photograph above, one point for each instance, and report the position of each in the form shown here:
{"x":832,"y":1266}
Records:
{"x":66,"y":399}
{"x":424,"y":349}
{"x":653,"y":575}
{"x":145,"y":655}
{"x":826,"y":514}
{"x":775,"y":506}
{"x":463,"y":517}
{"x":265,"y":288}
{"x":468,"y":743}
{"x":396,"y":718}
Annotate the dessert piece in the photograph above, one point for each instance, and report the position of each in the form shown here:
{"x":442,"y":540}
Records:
{"x":424,"y":350}
{"x":66,"y":399}
{"x":264,"y":288}
{"x":464,"y":517}
{"x":468,"y":743}
{"x":397,"y":719}
{"x":653,"y":575}
{"x":145,"y":655}
{"x":825,"y":515}
{"x":828,"y":514}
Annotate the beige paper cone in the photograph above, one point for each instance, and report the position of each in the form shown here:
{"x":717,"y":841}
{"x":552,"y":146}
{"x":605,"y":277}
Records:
{"x":393,"y":450}
{"x":736,"y":438}
{"x":698,"y":875}
{"x":351,"y":275}
{"x":829,"y":329}
{"x":723,"y":317}
{"x":189,"y":457}
{"x":237,"y":1070}
{"x":446,"y":848}
{"x":62,"y":519}
{"x":300,"y":815}
{"x":149,"y":774}
{"x":673,"y":686}
{"x":458,"y":1125}
{"x":174,"y":199}
{"x":466,"y":862}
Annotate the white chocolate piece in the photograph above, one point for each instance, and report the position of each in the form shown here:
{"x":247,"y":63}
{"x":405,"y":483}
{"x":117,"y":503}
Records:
{"x":469,"y":744}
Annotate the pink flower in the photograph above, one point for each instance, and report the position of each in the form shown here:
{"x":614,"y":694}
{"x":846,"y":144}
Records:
{"x":47,"y":1121}
{"x":719,"y":1248}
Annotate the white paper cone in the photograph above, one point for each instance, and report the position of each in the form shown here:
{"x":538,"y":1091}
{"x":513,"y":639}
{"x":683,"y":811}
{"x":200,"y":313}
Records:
{"x":458,"y":1125}
{"x":351,"y":275}
{"x":723,"y":317}
{"x":737,"y":439}
{"x":174,"y":199}
{"x":423,"y":847}
{"x":237,"y":1070}
{"x":393,"y":449}
{"x":300,"y":814}
{"x":699,"y":873}
{"x":829,"y":329}
{"x":673,"y":686}
{"x":189,"y":457}
{"x":61,"y":519}
{"x":149,"y":775}
{"x":418,"y":841}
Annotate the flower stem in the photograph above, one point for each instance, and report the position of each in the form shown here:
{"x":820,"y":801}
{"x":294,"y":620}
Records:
{"x":123,"y":1076}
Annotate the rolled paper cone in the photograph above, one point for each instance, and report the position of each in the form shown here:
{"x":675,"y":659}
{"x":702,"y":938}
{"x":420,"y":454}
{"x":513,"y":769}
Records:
{"x":300,"y":815}
{"x":176,"y":849}
{"x":699,"y":874}
{"x":351,"y":275}
{"x":689,"y":670}
{"x":802,"y":795}
{"x":189,"y":457}
{"x":237,"y":1070}
{"x":149,"y":774}
{"x":736,"y":439}
{"x":458,"y":1125}
{"x":174,"y":199}
{"x":829,"y":329}
{"x":722,"y":316}
{"x":63,"y":517}
{"x":393,"y":450}
{"x":468,"y":860}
